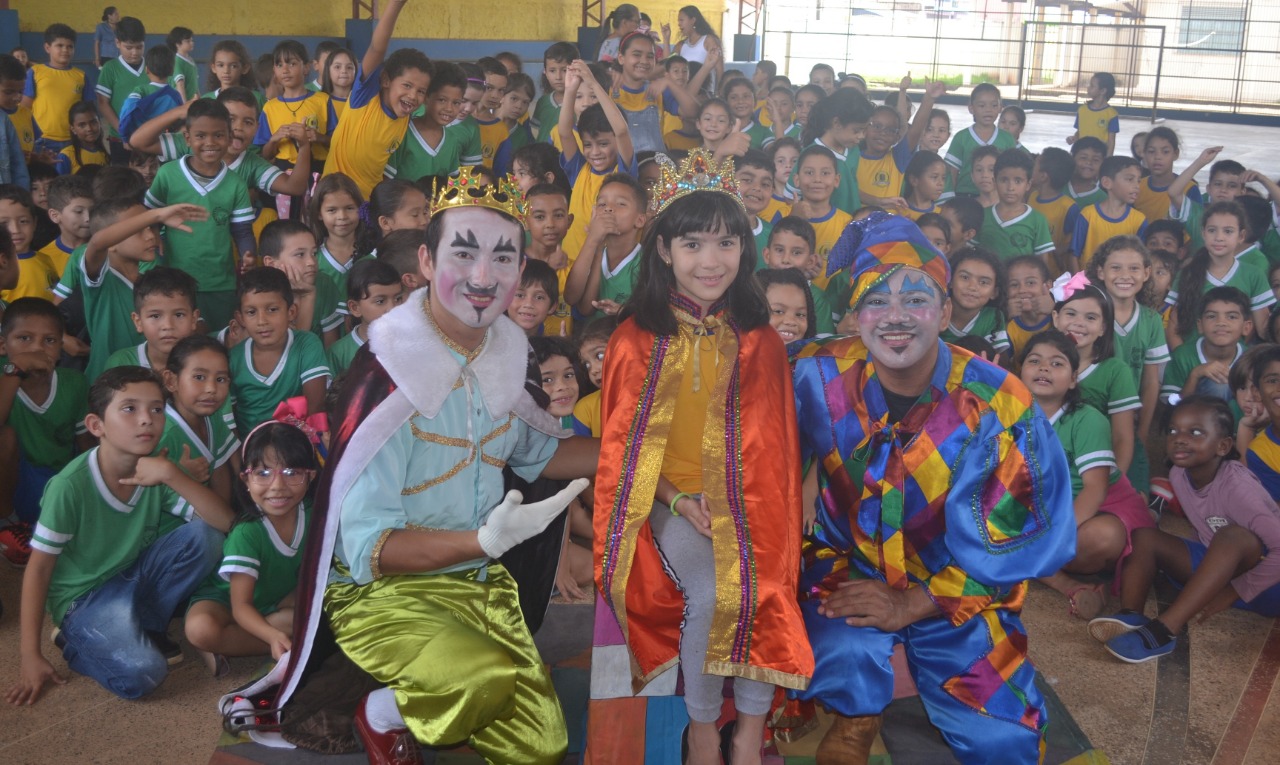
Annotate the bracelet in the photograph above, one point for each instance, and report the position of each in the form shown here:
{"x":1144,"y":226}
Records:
{"x":676,"y":500}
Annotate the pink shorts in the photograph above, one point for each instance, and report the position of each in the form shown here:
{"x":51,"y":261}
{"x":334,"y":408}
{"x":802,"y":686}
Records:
{"x":1125,"y":503}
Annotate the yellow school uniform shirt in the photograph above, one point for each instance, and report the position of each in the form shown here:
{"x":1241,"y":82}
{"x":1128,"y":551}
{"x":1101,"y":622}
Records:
{"x":586,"y":416}
{"x":1101,"y":228}
{"x":339,"y":106}
{"x":492,"y":134}
{"x":58,"y":255}
{"x":826,"y":232}
{"x":777,"y":209}
{"x":54,"y":92}
{"x":582,"y":202}
{"x":87,"y":157}
{"x":1153,"y":201}
{"x":1058,"y":212}
{"x":36,"y":278}
{"x":559,"y":322}
{"x":882,"y":176}
{"x":1020,"y":333}
{"x":556,"y":142}
{"x":1097,"y":123}
{"x":678,"y":140}
{"x":366,"y":136}
{"x":25,"y":124}
{"x":671,"y":123}
{"x":314,"y":110}
{"x":914,"y":214}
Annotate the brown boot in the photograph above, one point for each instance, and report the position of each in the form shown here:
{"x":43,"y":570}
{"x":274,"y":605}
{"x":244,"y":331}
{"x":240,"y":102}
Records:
{"x":849,"y":740}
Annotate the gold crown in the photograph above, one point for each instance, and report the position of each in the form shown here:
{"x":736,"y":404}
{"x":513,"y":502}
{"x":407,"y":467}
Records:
{"x":698,"y":172}
{"x":470,"y":190}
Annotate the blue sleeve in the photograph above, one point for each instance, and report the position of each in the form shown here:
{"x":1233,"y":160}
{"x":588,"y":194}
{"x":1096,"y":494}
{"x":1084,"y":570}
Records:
{"x":1000,"y":536}
{"x":1070,"y":219}
{"x":572,"y":166}
{"x":17,"y":162}
{"x":902,"y":155}
{"x":1114,"y":125}
{"x":366,"y":89}
{"x":632,"y":168}
{"x":1080,"y":235}
{"x":1076,"y":123}
{"x":62,"y":164}
{"x":1142,"y":230}
{"x":1193,"y":193}
{"x":502,"y":157}
{"x":29,"y":88}
{"x":580,"y":428}
{"x":263,"y":135}
{"x":331,"y":118}
{"x":672,"y":106}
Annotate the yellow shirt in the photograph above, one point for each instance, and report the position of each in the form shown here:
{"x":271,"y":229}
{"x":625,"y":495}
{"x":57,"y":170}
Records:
{"x":676,"y":140}
{"x":58,"y":254}
{"x":339,"y":106}
{"x":1102,"y":228}
{"x":1153,"y":202}
{"x":1055,"y":211}
{"x":682,"y":463}
{"x":560,"y":321}
{"x":883,"y":176}
{"x":777,"y":209}
{"x":586,"y":187}
{"x":87,"y":157}
{"x":492,"y":134}
{"x":587,"y":412}
{"x":1098,"y":123}
{"x":25,"y":124}
{"x":826,"y":231}
{"x":57,"y":90}
{"x":914,"y":214}
{"x":36,"y":278}
{"x":556,"y":142}
{"x":366,"y":136}
{"x":314,"y":110}
{"x":1019,"y":334}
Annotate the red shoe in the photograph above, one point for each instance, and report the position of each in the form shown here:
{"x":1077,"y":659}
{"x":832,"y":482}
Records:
{"x":395,"y":747}
{"x":15,"y":544}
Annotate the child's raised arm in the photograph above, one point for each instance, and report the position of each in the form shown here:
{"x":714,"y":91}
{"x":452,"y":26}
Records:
{"x":1178,"y":189}
{"x":146,"y":138}
{"x":582,"y":285}
{"x":920,"y":122}
{"x":174,"y":216}
{"x":1273,"y":190}
{"x":695,"y":85}
{"x":573,"y":80}
{"x":616,"y":120}
{"x":377,"y":51}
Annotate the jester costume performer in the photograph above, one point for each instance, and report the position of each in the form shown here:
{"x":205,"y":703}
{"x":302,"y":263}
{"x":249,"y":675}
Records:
{"x":412,"y":515}
{"x":706,"y":408}
{"x":958,"y":493}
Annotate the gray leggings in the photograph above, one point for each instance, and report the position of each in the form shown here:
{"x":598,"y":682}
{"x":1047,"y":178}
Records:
{"x":689,"y":556}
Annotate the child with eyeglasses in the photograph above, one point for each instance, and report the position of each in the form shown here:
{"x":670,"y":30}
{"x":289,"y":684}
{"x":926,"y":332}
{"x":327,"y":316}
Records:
{"x":245,"y":608}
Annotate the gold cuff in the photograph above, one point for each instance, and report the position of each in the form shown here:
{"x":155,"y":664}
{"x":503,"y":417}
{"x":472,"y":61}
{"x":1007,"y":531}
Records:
{"x":375,"y":557}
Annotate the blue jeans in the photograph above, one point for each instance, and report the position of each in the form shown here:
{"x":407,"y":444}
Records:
{"x":106,"y":628}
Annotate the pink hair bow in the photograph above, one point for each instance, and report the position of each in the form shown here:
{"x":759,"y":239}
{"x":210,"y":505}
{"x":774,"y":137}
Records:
{"x":1067,"y":285}
{"x":293,"y":411}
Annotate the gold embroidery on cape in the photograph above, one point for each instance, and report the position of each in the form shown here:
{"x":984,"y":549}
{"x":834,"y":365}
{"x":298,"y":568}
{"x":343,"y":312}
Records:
{"x":460,"y":443}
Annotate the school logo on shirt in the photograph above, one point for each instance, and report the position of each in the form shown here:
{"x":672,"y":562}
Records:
{"x":881,"y":179}
{"x":394,"y":145}
{"x":220,"y":216}
{"x":311,"y":122}
{"x":1216,"y":523}
{"x":1021,"y":242}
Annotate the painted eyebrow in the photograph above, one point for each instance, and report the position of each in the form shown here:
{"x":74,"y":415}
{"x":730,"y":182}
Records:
{"x":470,"y":242}
{"x":505,"y":245}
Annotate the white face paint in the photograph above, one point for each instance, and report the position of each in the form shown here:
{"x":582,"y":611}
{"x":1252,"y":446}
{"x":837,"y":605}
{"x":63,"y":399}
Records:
{"x":477,"y":265}
{"x":900,"y":319}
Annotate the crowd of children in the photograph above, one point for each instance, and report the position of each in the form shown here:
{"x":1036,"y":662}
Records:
{"x":175,"y":267}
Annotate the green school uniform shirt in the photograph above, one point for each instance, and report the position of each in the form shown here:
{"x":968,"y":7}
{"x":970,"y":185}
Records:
{"x":824,"y":323}
{"x":1025,"y":234}
{"x":1096,"y":195}
{"x":989,"y":324}
{"x":255,"y":171}
{"x":94,"y":534}
{"x":116,"y":80}
{"x":1108,"y":386}
{"x":218,"y":447}
{"x":546,"y":115}
{"x":1141,"y":341}
{"x":960,"y":154}
{"x":1185,"y":358}
{"x":47,"y":429}
{"x":136,"y":356}
{"x":257,"y":395}
{"x":761,"y":234}
{"x":343,"y":352}
{"x":1243,"y":277}
{"x":845,"y":197}
{"x":1086,"y":438}
{"x":336,"y":272}
{"x":207,"y":252}
{"x":417,"y":158}
{"x":329,"y":309}
{"x":186,"y":77}
{"x":256,"y":549}
{"x":618,"y":284}
{"x":108,"y":303}
{"x":760,"y":135}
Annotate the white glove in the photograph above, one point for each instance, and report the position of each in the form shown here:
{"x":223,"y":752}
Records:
{"x":511,"y":523}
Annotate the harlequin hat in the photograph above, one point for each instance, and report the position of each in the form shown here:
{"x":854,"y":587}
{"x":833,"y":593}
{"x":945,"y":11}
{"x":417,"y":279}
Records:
{"x":879,"y":245}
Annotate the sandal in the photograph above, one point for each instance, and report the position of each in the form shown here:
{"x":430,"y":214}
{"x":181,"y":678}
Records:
{"x":1085,"y":601}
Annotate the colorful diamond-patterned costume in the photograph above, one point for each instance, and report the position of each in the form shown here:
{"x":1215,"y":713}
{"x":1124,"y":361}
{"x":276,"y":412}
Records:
{"x":967,"y":496}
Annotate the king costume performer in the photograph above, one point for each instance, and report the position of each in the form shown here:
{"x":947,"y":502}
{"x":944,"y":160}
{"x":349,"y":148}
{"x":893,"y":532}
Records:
{"x":961,"y":492}
{"x":427,"y":421}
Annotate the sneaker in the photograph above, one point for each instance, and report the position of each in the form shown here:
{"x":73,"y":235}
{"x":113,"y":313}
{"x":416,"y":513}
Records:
{"x":1103,"y":628}
{"x":1138,"y":646}
{"x":15,"y":544}
{"x":171,"y":650}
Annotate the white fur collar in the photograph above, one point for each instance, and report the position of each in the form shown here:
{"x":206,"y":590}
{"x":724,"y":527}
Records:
{"x":425,"y":370}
